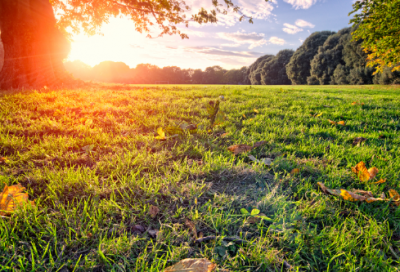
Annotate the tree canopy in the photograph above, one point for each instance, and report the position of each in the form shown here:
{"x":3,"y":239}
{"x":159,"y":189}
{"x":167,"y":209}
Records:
{"x":379,"y":28}
{"x":166,"y":14}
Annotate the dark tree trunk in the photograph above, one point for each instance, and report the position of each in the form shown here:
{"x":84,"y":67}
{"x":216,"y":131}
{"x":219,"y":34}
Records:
{"x":33,"y":47}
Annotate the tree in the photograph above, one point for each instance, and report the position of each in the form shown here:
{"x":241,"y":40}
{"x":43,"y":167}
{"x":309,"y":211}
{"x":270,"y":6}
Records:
{"x":379,"y":27}
{"x":34,"y":47}
{"x":255,"y":70}
{"x":298,"y":69}
{"x":274,"y":71}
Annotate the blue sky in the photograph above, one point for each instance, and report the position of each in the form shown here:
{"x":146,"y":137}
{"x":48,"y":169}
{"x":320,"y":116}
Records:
{"x":278,"y":25}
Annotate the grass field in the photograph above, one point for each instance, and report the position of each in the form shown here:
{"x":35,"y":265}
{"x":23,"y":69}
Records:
{"x":109,"y":196}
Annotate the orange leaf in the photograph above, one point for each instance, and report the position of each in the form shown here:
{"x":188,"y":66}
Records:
{"x":354,"y":103}
{"x":332,"y":122}
{"x":341,"y":123}
{"x":295,"y":171}
{"x":192,"y":265}
{"x":239,"y":148}
{"x":153,"y":211}
{"x":12,"y":197}
{"x":350,"y":196}
{"x":363,"y":173}
{"x":380,"y":181}
{"x":395,"y":195}
{"x":3,"y":160}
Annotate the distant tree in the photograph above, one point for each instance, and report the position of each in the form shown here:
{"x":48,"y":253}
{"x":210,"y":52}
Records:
{"x":197,"y":76}
{"x":298,"y":69}
{"x":213,"y":75}
{"x":34,"y":47}
{"x":79,"y":69}
{"x":274,"y":70}
{"x":255,"y":70}
{"x":379,"y":27}
{"x":235,"y":76}
{"x":110,"y":71}
{"x":329,"y":56}
{"x":387,"y":77}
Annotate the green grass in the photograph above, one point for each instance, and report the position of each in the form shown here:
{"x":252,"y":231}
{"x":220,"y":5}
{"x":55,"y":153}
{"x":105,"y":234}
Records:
{"x":92,"y":207}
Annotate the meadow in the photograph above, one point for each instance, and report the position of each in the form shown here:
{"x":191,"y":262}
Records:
{"x":111,"y":192}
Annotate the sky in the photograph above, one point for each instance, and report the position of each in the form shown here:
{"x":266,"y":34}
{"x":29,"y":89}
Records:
{"x":278,"y":25}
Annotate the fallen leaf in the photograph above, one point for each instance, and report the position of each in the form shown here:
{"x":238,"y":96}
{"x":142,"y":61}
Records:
{"x":395,"y":196}
{"x":318,"y":115}
{"x":191,"y":227}
{"x":350,"y":196}
{"x":332,"y":122}
{"x":256,"y":111}
{"x":358,"y":140}
{"x":153,"y":211}
{"x":266,"y":161}
{"x":244,"y":115}
{"x":3,"y":160}
{"x":225,"y":135}
{"x":258,"y":144}
{"x":363,"y":173}
{"x":341,"y":123}
{"x":295,"y":171}
{"x":354,"y":103}
{"x":138,"y":229}
{"x":239,"y":148}
{"x":11,"y":197}
{"x":192,"y":265}
{"x":380,"y":181}
{"x":153,"y":233}
{"x":161,"y":134}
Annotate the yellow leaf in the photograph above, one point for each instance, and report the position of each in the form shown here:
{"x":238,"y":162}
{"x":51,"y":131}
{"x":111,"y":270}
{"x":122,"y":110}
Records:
{"x":161,"y":134}
{"x":192,"y":265}
{"x":11,"y":197}
{"x":295,"y":171}
{"x":318,"y":115}
{"x":380,"y":181}
{"x":363,"y":173}
{"x":244,"y":115}
{"x":239,"y":148}
{"x":256,"y":111}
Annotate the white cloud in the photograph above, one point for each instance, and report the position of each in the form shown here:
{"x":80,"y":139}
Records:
{"x":303,"y":4}
{"x":302,"y":23}
{"x":254,"y":39}
{"x":291,"y":29}
{"x":276,"y":40}
{"x":230,"y":44}
{"x":301,"y":41}
{"x":219,"y":52}
{"x":256,"y":8}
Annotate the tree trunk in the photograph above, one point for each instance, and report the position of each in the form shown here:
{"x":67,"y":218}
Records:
{"x":33,"y":47}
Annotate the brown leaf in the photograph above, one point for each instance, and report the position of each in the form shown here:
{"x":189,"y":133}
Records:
{"x":395,"y":196}
{"x":153,"y":211}
{"x":258,"y":144}
{"x":239,"y":148}
{"x":332,"y":122}
{"x":11,"y":197}
{"x":350,"y":196}
{"x":358,"y":140}
{"x":153,"y":233}
{"x":192,"y":265}
{"x":295,"y":171}
{"x":3,"y":160}
{"x":191,"y":227}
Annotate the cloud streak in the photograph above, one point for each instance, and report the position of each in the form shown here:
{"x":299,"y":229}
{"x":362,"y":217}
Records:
{"x":254,"y":39}
{"x":220,"y":52}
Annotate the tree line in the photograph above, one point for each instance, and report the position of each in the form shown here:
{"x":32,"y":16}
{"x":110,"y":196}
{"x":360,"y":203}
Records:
{"x":325,"y":57}
{"x":119,"y":72}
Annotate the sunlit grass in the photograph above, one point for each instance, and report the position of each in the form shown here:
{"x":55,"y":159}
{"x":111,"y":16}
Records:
{"x":90,"y":160}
